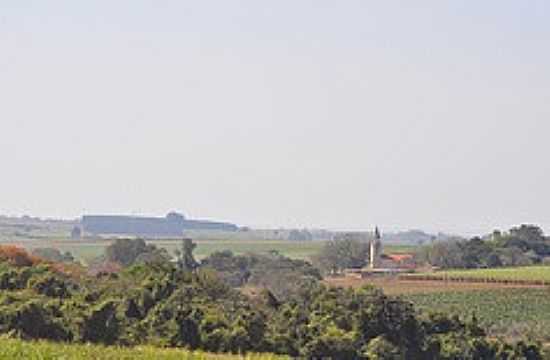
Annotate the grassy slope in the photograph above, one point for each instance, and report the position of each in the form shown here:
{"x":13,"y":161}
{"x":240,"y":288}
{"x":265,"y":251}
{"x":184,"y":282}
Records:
{"x":18,"y":349}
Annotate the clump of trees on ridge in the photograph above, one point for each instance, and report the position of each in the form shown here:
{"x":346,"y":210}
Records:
{"x":523,"y":245}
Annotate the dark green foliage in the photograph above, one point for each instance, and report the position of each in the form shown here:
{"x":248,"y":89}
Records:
{"x":380,"y":348}
{"x":184,"y":256}
{"x":282,"y":276}
{"x":52,"y":286}
{"x":129,"y":251}
{"x":33,"y":319}
{"x":9,"y":280}
{"x":101,"y":324}
{"x":16,"y":278}
{"x":161,"y":305}
{"x":524,"y":245}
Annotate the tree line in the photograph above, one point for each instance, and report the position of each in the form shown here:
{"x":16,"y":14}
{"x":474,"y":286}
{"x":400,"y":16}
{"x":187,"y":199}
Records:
{"x":520,"y":246}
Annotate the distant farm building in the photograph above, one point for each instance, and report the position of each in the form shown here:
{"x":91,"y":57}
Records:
{"x":403,"y":261}
{"x":173,"y":225}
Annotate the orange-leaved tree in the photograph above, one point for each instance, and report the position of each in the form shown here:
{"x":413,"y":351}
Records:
{"x":17,"y":256}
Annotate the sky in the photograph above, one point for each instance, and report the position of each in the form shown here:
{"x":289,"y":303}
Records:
{"x":332,"y":114}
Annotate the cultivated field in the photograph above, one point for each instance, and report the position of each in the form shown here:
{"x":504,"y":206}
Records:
{"x":512,"y":313}
{"x":509,"y":310}
{"x":526,"y":273}
{"x":395,"y":286}
{"x":18,"y":349}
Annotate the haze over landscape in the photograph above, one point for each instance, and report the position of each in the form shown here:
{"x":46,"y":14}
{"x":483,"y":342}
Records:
{"x":229,"y":180}
{"x":339,"y":115}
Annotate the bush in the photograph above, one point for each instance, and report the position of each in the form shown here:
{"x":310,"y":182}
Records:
{"x":51,"y":286}
{"x":34,"y":320}
{"x":17,"y":256}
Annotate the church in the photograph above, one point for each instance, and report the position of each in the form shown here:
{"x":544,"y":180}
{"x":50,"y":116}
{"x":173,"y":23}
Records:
{"x":383,"y":264}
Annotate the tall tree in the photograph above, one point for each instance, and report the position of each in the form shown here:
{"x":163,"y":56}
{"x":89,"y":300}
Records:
{"x":339,"y":254}
{"x":184,"y":255}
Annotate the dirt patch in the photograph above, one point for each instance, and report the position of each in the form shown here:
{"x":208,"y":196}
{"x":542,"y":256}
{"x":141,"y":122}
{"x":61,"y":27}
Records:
{"x":395,"y":286}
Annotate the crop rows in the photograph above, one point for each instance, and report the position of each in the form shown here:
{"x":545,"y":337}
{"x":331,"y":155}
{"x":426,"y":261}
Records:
{"x":511,"y":313}
{"x":525,"y":273}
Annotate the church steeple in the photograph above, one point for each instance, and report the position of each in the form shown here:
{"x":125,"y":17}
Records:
{"x":375,"y":248}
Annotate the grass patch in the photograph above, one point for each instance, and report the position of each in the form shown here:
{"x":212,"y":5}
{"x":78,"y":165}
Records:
{"x":18,"y":349}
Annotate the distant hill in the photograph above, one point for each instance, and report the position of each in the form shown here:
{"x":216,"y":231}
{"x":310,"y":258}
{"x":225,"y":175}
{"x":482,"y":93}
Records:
{"x":173,"y":225}
{"x":15,"y":229}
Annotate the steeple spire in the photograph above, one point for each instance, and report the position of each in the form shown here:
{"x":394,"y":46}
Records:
{"x":375,"y":248}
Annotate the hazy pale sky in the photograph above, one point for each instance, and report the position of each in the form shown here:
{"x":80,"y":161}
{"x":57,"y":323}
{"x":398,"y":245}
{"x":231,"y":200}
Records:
{"x":336,"y":114}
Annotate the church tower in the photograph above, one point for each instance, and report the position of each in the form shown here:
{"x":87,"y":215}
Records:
{"x":375,"y":249}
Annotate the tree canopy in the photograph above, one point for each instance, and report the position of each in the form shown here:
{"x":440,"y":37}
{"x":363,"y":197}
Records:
{"x":523,"y":245}
{"x":342,"y":253}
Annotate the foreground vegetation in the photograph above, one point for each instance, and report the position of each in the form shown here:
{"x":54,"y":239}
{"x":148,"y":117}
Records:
{"x":186,"y":305}
{"x":41,"y":350}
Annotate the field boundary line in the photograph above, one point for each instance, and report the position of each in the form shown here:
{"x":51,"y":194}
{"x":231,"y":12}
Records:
{"x":472,"y":279}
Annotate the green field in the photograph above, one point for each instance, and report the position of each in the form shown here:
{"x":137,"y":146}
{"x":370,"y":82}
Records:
{"x":87,"y":250}
{"x":11,"y":349}
{"x":513,"y":313}
{"x":295,"y":249}
{"x":511,"y":310}
{"x":528,"y":273}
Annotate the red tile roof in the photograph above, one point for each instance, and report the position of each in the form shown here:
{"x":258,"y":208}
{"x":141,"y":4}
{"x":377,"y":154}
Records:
{"x":400,"y":257}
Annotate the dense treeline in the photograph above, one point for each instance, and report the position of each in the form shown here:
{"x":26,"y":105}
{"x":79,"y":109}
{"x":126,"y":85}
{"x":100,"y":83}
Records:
{"x":164,"y":304}
{"x":523,"y":245}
